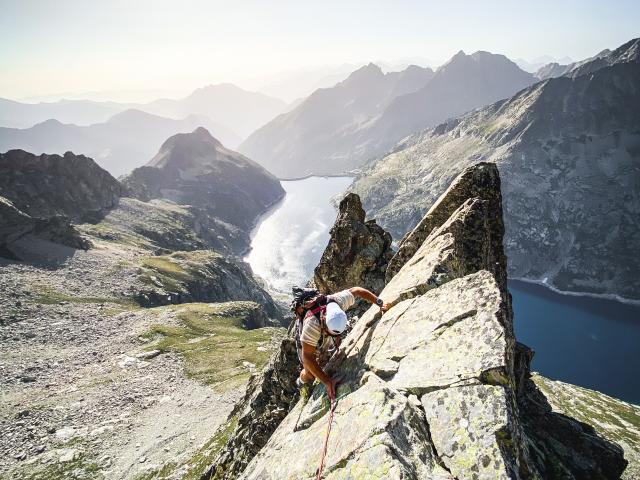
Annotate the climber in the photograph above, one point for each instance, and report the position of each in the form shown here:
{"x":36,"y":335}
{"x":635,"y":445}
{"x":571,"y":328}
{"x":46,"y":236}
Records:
{"x":320,"y":320}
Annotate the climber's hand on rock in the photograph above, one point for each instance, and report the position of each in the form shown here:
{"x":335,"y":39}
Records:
{"x":384,"y":307}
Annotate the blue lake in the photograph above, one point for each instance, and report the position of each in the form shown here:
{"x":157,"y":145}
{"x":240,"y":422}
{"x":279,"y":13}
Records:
{"x":586,"y":341}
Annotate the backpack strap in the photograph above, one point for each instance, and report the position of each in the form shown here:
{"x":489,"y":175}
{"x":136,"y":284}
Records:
{"x":316,"y":307}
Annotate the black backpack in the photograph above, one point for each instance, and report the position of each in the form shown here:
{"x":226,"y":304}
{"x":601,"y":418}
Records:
{"x":314,"y":304}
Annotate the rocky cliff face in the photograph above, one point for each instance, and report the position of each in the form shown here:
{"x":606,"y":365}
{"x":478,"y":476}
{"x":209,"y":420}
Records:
{"x":357,"y":253}
{"x":41,"y":195}
{"x":437,"y":386}
{"x":195,"y":169}
{"x":47,"y":185}
{"x":567,"y":151}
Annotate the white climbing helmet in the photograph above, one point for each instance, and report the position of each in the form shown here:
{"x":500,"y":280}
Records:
{"x":336,"y":319}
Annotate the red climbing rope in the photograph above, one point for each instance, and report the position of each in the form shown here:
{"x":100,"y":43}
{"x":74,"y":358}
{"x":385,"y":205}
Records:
{"x":326,"y":440}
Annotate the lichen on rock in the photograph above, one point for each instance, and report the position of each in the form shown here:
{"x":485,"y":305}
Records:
{"x":437,"y":386}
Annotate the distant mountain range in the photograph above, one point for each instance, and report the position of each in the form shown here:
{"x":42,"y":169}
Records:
{"x":340,"y":128}
{"x":126,"y":141}
{"x":238,"y":110}
{"x":568,"y":151}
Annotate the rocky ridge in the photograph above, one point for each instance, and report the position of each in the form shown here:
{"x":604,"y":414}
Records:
{"x":567,"y":151}
{"x":628,"y":52}
{"x":41,"y":195}
{"x":437,"y":387}
{"x":47,"y":185}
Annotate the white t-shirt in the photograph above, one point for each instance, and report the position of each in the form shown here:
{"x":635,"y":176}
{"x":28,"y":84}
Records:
{"x":311,"y":331}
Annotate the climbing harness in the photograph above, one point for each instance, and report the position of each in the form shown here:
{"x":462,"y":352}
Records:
{"x":326,"y":439}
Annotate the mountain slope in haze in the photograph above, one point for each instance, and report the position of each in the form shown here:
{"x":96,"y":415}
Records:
{"x":302,"y":82}
{"x":241,"y":110}
{"x":568,"y":151}
{"x":537,"y":63}
{"x":126,"y":141}
{"x":339,"y":129}
{"x":196,"y":169}
{"x":322,"y":126}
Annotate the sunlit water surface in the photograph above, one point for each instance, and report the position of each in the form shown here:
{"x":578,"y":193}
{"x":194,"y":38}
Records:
{"x":289,"y":241}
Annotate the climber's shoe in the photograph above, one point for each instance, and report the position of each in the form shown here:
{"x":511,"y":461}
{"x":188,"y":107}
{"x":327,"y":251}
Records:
{"x":305,"y":389}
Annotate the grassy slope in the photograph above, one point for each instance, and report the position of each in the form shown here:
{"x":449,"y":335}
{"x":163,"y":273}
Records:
{"x":614,"y":419}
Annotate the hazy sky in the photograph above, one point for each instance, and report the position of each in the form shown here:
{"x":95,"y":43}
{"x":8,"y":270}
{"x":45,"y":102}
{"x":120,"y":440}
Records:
{"x":84,"y":45}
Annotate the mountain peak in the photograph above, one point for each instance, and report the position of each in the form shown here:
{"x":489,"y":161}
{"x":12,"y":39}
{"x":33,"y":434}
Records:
{"x":186,"y":145}
{"x":202,"y":133}
{"x":369,"y":71}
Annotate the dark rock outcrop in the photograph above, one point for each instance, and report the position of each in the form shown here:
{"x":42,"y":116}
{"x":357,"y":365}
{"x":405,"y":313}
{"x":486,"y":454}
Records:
{"x":196,"y":169}
{"x":561,"y":446}
{"x":43,"y":186}
{"x":357,"y":253}
{"x":15,"y":225}
{"x":436,"y":387}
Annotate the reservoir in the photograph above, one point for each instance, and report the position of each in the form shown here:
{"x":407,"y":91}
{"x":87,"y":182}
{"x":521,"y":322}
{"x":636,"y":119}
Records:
{"x":591,"y":342}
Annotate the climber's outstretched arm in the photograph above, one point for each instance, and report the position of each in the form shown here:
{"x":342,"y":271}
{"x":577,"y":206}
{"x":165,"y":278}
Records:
{"x":368,"y":296}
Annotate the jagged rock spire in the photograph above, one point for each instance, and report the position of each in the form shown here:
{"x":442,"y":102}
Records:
{"x":357,"y":253}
